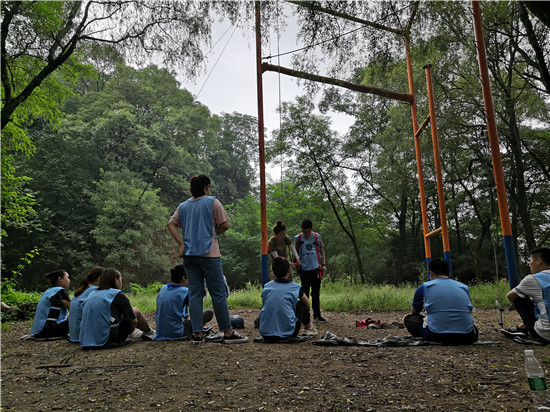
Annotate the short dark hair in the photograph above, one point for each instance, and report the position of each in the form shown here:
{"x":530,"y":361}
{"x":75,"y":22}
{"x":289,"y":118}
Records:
{"x":543,"y":253}
{"x":280,"y":266}
{"x":108,"y":279}
{"x":279,"y":227}
{"x":177,"y":273}
{"x":198,"y":185}
{"x":439,"y":267}
{"x":54,"y":276}
{"x":307,"y":224}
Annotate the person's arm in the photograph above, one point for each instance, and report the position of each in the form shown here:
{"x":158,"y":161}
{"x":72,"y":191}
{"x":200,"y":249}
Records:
{"x":304,"y":299}
{"x":512,"y":296}
{"x":418,"y":301}
{"x":295,"y":253}
{"x":64,"y":298}
{"x":176,"y":234}
{"x":222,"y":228}
{"x":323,"y":261}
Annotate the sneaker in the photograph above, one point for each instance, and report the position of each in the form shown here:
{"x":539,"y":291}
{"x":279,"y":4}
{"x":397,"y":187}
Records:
{"x":196,"y":339}
{"x":514,"y":331}
{"x":235,"y":338}
{"x":310,"y":332}
{"x":148,"y":335}
{"x":136,"y":334}
{"x":206,"y":331}
{"x":319,"y":319}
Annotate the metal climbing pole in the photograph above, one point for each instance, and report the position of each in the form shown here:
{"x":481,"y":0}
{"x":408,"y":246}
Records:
{"x":263,"y":199}
{"x":495,"y":150}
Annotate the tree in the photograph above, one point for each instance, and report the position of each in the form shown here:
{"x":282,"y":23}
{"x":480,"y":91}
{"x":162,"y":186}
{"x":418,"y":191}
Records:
{"x":308,"y":137}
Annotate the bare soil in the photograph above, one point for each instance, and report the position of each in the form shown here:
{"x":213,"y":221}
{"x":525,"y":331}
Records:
{"x":174,"y":376}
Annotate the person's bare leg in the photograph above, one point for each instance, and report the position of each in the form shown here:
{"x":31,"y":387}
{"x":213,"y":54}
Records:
{"x":141,"y":321}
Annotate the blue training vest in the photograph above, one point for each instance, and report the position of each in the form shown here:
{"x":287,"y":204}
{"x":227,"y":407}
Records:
{"x":309,"y":251}
{"x":43,"y":310}
{"x":76,"y":313}
{"x":278,"y":314}
{"x":544,"y":281}
{"x":171,"y":311}
{"x":448,"y":306}
{"x":196,"y":225}
{"x":96,"y":318}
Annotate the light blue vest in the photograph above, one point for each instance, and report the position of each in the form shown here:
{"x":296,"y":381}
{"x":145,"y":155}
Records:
{"x":309,"y":251}
{"x":171,"y":311}
{"x":278,"y":314}
{"x":96,"y":318}
{"x":196,"y":225}
{"x":43,"y":310}
{"x":544,"y":280}
{"x":448,"y":306}
{"x":76,"y":313}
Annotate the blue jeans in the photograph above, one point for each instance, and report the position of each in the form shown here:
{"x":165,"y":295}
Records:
{"x":200,"y":269}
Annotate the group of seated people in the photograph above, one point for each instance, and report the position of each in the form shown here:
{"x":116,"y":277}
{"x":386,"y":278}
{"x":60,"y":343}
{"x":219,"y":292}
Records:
{"x":101,"y":315}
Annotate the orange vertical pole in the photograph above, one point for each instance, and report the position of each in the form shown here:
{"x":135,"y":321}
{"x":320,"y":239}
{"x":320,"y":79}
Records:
{"x":417,"y":149}
{"x":263,"y":200}
{"x":438,"y":173}
{"x":495,"y":150}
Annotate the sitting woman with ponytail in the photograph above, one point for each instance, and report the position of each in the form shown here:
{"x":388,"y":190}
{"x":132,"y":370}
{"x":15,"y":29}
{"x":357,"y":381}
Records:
{"x":50,"y":318}
{"x":87,"y":285}
{"x":107,"y":316}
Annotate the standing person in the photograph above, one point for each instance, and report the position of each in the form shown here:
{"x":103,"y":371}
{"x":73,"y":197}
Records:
{"x":107,"y":317}
{"x":51,"y":316}
{"x":284,"y":305}
{"x":278,"y":243}
{"x":202,"y":219}
{"x":87,"y":285}
{"x":448,"y":308}
{"x":311,"y":251}
{"x":532,"y":299}
{"x":171,"y":315}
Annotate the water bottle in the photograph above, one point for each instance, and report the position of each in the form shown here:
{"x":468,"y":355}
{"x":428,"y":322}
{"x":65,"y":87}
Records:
{"x":537,"y":382}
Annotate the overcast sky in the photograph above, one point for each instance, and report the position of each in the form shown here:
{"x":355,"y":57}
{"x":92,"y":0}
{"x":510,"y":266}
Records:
{"x":231,"y":84}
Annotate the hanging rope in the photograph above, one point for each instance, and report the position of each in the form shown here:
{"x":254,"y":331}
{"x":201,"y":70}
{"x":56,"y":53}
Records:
{"x":217,"y":60}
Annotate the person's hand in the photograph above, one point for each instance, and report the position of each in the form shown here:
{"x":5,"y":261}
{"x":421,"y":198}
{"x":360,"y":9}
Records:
{"x":298,"y":263}
{"x":180,"y":254}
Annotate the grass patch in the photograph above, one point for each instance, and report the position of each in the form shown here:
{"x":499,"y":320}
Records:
{"x":337,"y":297}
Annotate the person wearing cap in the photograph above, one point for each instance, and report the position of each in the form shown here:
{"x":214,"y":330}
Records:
{"x":531,"y":299}
{"x":448,"y":309}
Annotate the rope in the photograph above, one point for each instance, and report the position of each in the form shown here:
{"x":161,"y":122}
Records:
{"x":218,"y":59}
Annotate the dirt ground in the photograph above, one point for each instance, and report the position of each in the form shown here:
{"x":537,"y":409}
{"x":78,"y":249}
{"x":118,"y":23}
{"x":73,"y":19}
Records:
{"x":174,"y":376}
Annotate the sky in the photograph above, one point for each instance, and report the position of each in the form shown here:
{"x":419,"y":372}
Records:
{"x":229,"y":84}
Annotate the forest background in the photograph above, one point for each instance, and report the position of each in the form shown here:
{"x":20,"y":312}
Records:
{"x":98,"y":144}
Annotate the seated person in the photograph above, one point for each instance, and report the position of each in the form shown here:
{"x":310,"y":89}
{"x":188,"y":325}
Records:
{"x":107,"y":316}
{"x":284,"y":305}
{"x":51,"y":316}
{"x":448,"y":309}
{"x":172,"y":308}
{"x":532,"y":299}
{"x":87,"y":285}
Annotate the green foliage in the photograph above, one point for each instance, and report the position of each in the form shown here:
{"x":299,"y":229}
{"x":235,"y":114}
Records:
{"x":12,"y":297}
{"x":152,"y":288}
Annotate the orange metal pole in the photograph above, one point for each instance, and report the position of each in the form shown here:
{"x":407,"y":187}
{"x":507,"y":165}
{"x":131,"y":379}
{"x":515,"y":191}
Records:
{"x":423,"y":208}
{"x":438,"y":173}
{"x":495,"y":150}
{"x":263,"y":200}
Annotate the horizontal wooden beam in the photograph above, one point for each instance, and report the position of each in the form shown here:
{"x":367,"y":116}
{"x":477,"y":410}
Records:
{"x":404,"y":97}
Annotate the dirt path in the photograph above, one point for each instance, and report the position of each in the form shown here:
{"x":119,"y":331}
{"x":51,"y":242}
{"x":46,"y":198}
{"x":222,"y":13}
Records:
{"x":173,"y":376}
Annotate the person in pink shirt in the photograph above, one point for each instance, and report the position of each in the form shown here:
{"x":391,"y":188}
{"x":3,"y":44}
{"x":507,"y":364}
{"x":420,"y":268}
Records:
{"x":196,"y":225}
